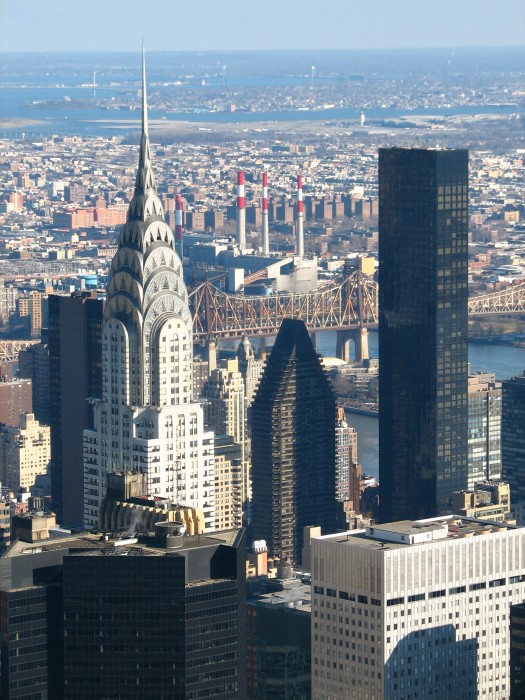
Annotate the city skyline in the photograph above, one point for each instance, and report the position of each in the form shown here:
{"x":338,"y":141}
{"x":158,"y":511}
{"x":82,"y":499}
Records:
{"x":340,"y":25}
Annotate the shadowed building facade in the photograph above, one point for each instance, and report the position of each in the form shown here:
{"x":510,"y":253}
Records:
{"x":423,"y":326}
{"x":293,"y":445}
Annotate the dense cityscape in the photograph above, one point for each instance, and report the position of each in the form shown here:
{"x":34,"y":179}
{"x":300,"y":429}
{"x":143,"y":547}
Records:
{"x":214,"y":267}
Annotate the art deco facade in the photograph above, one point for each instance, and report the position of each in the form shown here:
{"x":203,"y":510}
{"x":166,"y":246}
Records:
{"x":293,"y":445}
{"x":415,"y":610}
{"x":423,"y":323}
{"x":146,"y":419}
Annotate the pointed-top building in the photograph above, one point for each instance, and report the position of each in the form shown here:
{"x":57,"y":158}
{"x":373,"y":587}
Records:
{"x":145,"y":420}
{"x":293,"y":445}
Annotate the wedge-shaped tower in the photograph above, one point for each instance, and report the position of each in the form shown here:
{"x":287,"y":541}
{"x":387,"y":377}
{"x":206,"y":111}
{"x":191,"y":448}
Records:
{"x":145,"y":420}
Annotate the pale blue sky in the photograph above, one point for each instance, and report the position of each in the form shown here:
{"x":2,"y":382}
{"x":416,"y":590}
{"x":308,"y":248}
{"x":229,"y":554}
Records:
{"x":199,"y":25}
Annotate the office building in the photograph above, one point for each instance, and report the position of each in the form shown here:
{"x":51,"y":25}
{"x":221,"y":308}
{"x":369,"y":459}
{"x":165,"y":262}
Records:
{"x":415,"y":610}
{"x":159,"y":620}
{"x":484,"y":428}
{"x":33,"y":363}
{"x":145,"y":418}
{"x":293,"y":445}
{"x":160,"y":615}
{"x":517,"y":652}
{"x":279,"y":655}
{"x":423,"y":419}
{"x":513,"y":436}
{"x":25,"y":452}
{"x":75,"y":375}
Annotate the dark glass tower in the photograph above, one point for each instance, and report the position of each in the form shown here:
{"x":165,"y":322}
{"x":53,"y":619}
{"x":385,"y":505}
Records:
{"x":423,"y":329}
{"x":75,"y":374}
{"x":513,"y":435}
{"x":293,"y":445}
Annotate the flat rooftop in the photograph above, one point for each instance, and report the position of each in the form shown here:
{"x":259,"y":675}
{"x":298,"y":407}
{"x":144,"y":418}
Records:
{"x":406,"y":533}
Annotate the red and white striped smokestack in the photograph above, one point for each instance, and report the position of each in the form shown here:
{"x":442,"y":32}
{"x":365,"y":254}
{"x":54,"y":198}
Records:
{"x":265,"y":234}
{"x":299,"y":220}
{"x":178,"y":226}
{"x":241,"y":213}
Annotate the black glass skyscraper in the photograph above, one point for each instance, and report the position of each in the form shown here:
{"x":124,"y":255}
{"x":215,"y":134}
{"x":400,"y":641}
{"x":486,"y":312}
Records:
{"x":293,"y":445}
{"x":423,"y":329}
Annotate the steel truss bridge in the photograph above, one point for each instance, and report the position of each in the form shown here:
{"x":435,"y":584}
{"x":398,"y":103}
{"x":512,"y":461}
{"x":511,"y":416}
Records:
{"x":348,"y":304}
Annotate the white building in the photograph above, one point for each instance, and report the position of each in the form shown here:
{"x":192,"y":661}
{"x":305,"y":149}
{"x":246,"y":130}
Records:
{"x":146,"y":419}
{"x":415,"y":610}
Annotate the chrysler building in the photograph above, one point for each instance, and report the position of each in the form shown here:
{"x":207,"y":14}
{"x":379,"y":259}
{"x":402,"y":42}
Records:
{"x":146,"y":419}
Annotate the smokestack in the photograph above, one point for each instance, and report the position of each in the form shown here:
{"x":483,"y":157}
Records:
{"x":265,"y":235}
{"x":299,"y":220}
{"x":179,"y":245}
{"x":241,"y":213}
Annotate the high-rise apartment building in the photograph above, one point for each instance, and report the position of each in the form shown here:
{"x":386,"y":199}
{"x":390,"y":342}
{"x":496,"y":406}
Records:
{"x":484,"y":428}
{"x":145,"y":418}
{"x":346,"y":461}
{"x":16,"y":397}
{"x":75,"y":375}
{"x":415,"y":610}
{"x":225,"y":413}
{"x":513,"y":436}
{"x":25,"y":452}
{"x":229,"y":471}
{"x":293,"y":445}
{"x":423,"y":419}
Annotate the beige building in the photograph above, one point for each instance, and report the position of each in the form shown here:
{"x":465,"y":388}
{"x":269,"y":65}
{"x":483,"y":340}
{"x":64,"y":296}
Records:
{"x":225,"y":413}
{"x":228,"y":483}
{"x":489,"y":500}
{"x":415,"y":610}
{"x":24,"y":452}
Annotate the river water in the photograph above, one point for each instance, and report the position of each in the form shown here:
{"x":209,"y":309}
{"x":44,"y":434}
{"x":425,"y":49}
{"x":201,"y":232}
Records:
{"x":506,"y":361}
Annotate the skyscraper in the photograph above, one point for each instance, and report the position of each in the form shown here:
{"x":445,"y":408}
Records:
{"x":293,"y":445}
{"x":484,"y":428}
{"x":423,"y":417}
{"x":422,"y":610}
{"x":75,"y":374}
{"x":146,"y":420}
{"x":513,"y":436}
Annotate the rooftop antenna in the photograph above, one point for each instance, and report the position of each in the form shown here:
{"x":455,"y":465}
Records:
{"x":313,"y":75}
{"x":144,"y":100}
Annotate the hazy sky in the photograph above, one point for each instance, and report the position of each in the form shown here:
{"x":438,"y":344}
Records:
{"x":171,"y":25}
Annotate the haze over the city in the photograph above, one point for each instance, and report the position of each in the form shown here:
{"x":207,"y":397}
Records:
{"x":59,"y":25}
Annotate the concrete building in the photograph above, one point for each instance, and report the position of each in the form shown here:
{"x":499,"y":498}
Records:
{"x":415,"y":609}
{"x":345,"y":460}
{"x":145,"y":418}
{"x":489,"y":500}
{"x":423,"y":324}
{"x":484,"y":428}
{"x":32,"y":311}
{"x":293,"y":445}
{"x":25,"y":453}
{"x":229,"y":471}
{"x":16,"y":397}
{"x":513,"y":436}
{"x":225,"y":413}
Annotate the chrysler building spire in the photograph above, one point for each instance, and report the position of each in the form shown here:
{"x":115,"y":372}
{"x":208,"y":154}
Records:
{"x":147,"y":407}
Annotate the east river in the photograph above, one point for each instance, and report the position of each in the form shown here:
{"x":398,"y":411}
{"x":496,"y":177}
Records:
{"x":506,"y":361}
